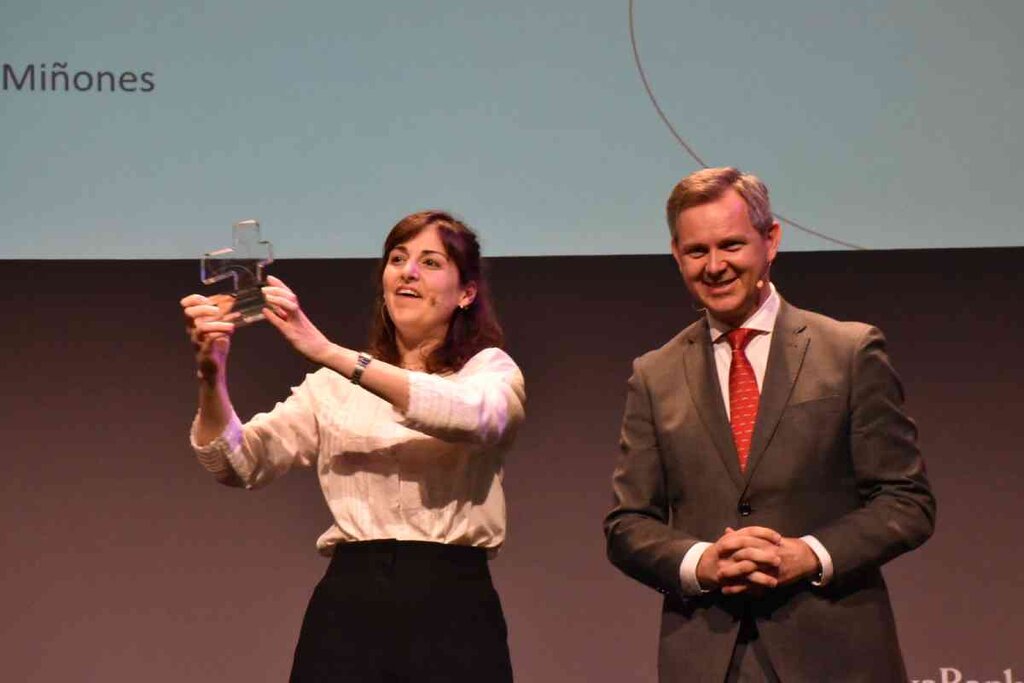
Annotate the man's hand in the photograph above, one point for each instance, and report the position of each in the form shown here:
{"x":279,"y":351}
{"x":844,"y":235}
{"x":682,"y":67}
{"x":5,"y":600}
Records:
{"x":798,"y":562}
{"x":741,"y":559}
{"x":755,"y":559}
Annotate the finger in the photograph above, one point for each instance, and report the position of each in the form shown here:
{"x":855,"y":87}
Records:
{"x":763,"y":532}
{"x":277,"y":282}
{"x":279,"y":291}
{"x":205,"y":331}
{"x":746,"y":572}
{"x":742,"y":571}
{"x":762,"y":556}
{"x":214,"y":325}
{"x":746,"y":588}
{"x":216,"y":306}
{"x":194,"y":313}
{"x":202,"y":311}
{"x":193,"y":300}
{"x":281,"y":301}
{"x":759,"y":578}
{"x":728,"y":545}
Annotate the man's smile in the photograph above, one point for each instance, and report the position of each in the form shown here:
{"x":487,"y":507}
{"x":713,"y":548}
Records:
{"x":719,"y":286}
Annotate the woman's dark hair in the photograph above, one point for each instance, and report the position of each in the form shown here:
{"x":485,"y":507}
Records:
{"x":471,"y":329}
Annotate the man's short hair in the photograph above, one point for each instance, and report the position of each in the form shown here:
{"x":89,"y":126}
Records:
{"x":709,"y":184}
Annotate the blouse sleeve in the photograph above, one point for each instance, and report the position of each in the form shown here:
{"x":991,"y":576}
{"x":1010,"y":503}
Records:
{"x":269,"y":444}
{"x":483,"y":402}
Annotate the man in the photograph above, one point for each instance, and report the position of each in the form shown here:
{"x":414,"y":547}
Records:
{"x":767,"y":469}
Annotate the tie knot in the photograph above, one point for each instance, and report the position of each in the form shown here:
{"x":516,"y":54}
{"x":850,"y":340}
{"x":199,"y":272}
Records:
{"x":740,"y":337}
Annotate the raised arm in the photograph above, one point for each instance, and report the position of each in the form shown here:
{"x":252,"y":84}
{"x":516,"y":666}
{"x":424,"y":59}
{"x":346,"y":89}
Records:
{"x":284,"y":312}
{"x":210,"y":332}
{"x":270,"y":443}
{"x":482,"y":402}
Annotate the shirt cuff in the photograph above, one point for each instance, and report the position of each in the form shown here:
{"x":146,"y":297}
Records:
{"x":224,"y":452}
{"x":688,"y":569}
{"x":824,"y":559}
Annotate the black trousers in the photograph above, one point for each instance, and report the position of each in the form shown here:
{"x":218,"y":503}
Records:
{"x":394,"y":611}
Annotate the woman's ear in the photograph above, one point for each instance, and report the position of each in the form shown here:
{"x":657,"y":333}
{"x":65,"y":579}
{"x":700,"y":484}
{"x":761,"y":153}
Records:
{"x":468,"y":295}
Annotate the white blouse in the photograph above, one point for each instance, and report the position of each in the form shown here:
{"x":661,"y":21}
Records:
{"x":431,"y":474}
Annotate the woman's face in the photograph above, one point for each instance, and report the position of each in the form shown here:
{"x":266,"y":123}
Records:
{"x":421,"y":287}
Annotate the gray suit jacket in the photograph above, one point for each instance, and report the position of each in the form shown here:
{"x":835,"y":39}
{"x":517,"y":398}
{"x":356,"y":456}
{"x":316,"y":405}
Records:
{"x":833,"y":455}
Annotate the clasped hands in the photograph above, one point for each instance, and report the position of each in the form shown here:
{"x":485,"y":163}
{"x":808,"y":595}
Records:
{"x":754,"y":559}
{"x":210,"y":325}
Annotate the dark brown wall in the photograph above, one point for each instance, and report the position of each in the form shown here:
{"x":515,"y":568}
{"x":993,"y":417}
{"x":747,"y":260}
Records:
{"x":124,"y":561}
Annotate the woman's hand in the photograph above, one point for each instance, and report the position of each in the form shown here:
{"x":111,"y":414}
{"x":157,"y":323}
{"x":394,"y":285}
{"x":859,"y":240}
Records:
{"x":209,"y":327}
{"x":284,"y":313}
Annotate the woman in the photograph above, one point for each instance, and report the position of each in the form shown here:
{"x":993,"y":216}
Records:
{"x":408,"y":441}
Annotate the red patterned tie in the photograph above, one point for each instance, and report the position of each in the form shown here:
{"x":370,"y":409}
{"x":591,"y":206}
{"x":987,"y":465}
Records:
{"x":743,"y":393}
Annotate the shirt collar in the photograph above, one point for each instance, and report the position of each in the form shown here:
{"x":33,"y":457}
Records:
{"x":762,"y":320}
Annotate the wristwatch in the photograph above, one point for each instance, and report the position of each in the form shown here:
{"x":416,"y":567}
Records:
{"x":362,"y":360}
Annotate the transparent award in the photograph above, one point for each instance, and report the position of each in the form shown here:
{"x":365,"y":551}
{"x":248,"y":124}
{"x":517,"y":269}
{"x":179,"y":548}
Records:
{"x":243,"y":263}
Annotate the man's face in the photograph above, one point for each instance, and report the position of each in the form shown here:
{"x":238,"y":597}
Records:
{"x":721,"y":257}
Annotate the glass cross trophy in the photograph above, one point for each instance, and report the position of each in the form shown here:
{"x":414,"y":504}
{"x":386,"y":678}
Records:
{"x":243,"y":263}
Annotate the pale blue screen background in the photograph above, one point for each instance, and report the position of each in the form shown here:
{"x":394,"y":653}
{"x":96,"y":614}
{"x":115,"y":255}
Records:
{"x":889,"y":124}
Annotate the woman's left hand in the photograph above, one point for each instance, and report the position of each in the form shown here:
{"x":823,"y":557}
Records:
{"x":284,"y":313}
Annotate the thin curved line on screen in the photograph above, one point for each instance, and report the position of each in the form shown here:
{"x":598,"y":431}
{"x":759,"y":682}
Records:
{"x":693,"y":154}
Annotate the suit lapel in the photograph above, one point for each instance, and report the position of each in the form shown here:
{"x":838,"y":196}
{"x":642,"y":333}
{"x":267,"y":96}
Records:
{"x":785,"y":358}
{"x":702,"y":378}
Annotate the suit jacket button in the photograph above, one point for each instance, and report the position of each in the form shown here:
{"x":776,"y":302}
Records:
{"x":744,"y":508}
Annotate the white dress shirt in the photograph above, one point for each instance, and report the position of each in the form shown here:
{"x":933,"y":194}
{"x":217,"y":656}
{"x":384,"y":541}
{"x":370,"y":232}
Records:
{"x":756,"y":351}
{"x":431,"y":474}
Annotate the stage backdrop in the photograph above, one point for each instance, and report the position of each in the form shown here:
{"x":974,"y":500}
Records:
{"x":143,"y":128}
{"x":124,"y":561}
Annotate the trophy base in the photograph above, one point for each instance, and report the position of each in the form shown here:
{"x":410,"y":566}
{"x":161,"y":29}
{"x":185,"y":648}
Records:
{"x":248,"y":306}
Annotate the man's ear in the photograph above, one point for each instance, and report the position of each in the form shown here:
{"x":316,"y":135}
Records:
{"x":774,"y":239}
{"x":676,"y":254}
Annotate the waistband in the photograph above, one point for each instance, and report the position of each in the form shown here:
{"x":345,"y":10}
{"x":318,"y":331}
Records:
{"x":423,"y":551}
